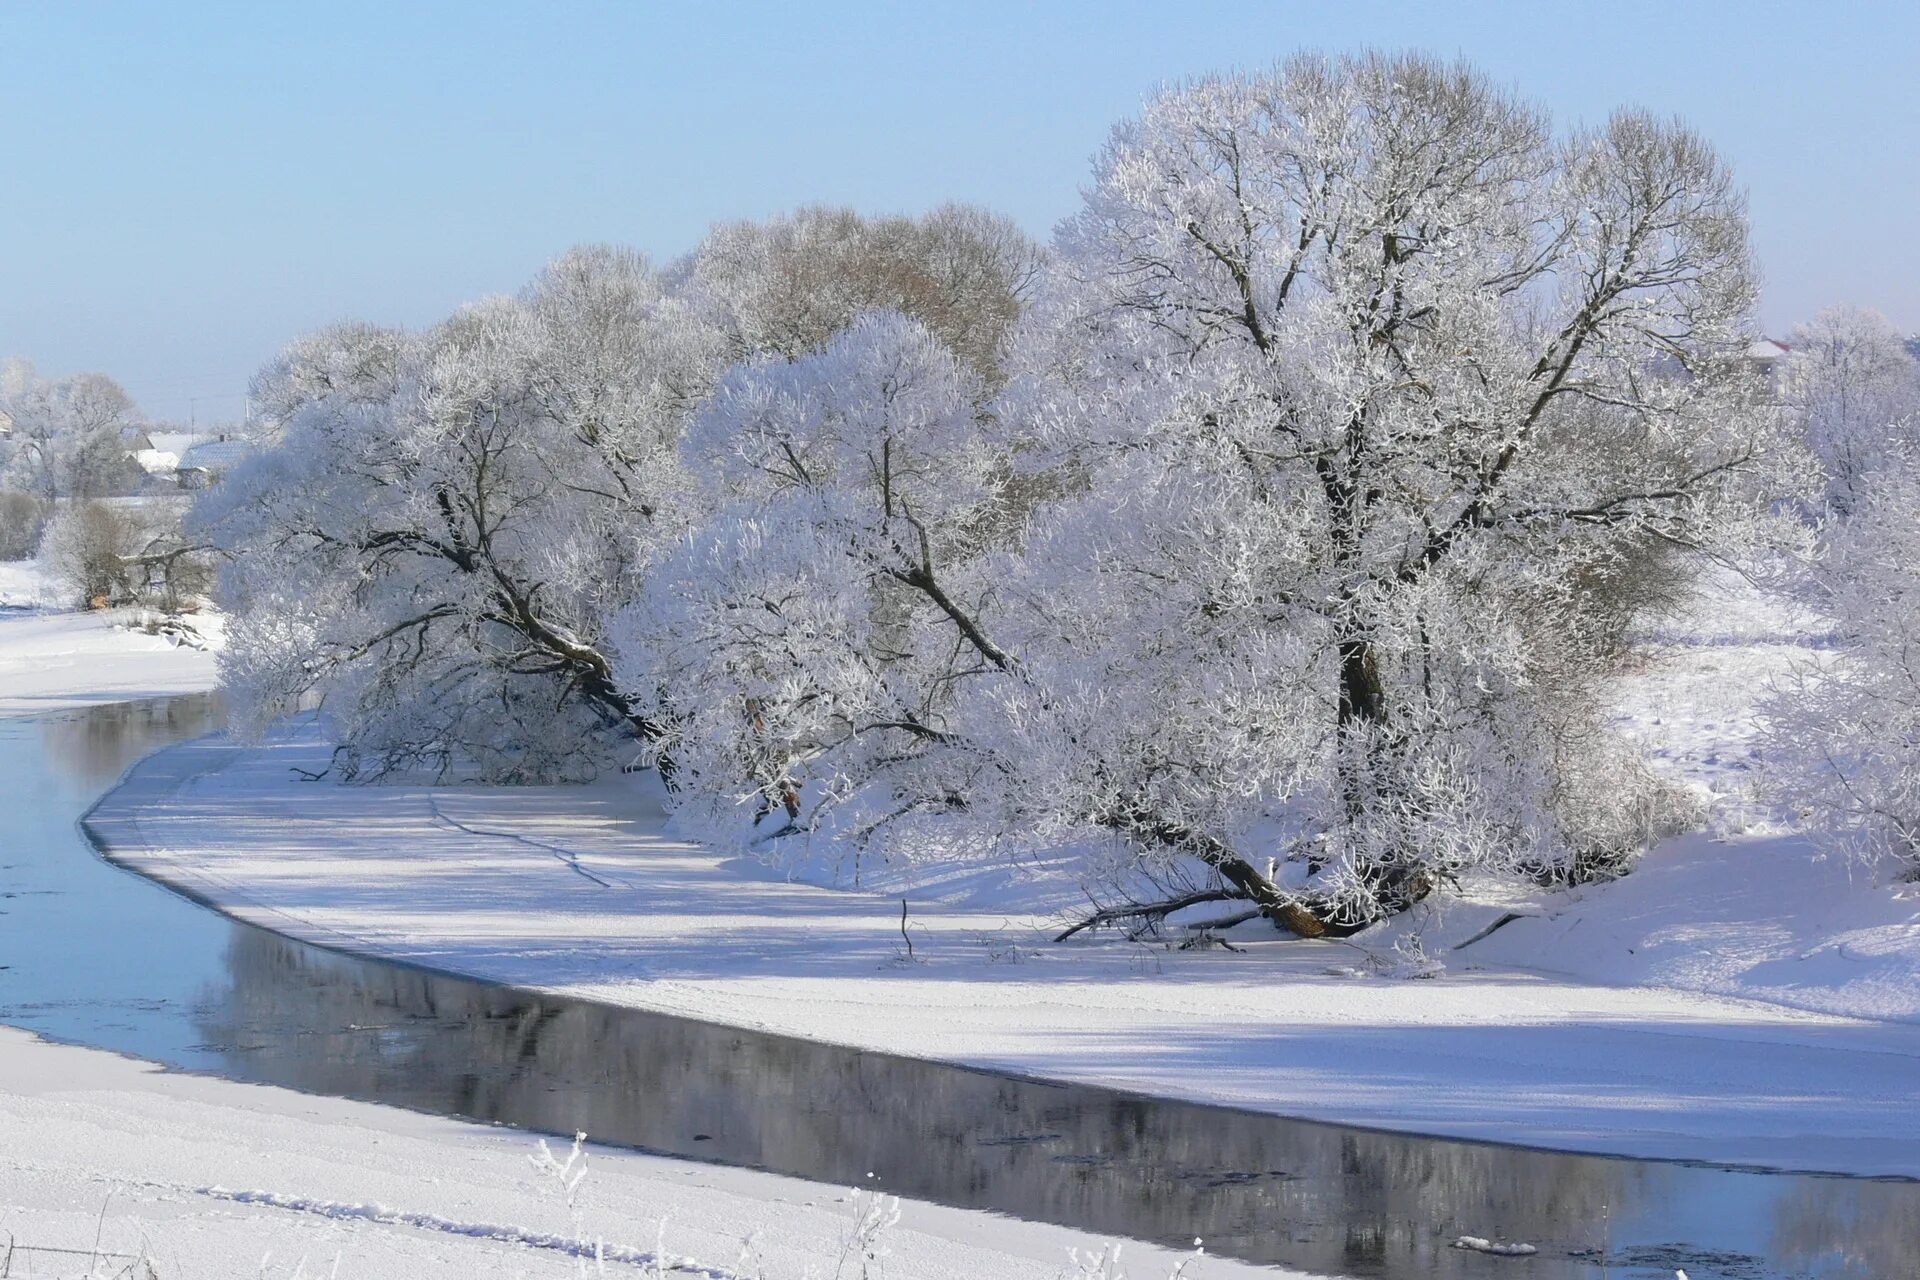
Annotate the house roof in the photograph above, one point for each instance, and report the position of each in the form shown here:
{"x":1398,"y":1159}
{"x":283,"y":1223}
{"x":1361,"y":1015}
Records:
{"x":1767,"y":349}
{"x":177,"y":442}
{"x":215,"y":455}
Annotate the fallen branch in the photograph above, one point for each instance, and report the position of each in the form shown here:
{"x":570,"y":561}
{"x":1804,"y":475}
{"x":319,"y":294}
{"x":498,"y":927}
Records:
{"x":1154,"y":911}
{"x":1501,"y":923}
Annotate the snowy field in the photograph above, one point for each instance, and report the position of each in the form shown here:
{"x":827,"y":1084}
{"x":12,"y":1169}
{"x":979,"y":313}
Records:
{"x":1680,"y":1012}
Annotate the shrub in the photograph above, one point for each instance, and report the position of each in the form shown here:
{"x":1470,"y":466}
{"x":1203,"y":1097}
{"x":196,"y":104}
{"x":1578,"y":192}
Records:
{"x":93,"y":548}
{"x":23,"y":519}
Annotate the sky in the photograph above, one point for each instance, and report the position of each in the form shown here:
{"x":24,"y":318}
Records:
{"x":186,"y":187}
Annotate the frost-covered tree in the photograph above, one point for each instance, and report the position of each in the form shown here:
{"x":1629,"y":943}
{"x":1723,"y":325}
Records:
{"x":855,"y":336}
{"x":65,"y":440}
{"x":93,"y":549}
{"x":125,"y":553}
{"x":1857,"y":388}
{"x":809,"y":633}
{"x":352,"y":364}
{"x":1842,"y":745}
{"x":441,"y":521}
{"x":1379,"y":411}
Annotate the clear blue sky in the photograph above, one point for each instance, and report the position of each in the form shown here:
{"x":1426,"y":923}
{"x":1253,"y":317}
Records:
{"x":186,"y":186}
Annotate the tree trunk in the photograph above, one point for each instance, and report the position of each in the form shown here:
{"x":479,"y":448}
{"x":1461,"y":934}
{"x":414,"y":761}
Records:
{"x":1362,"y":698}
{"x":1278,"y":906}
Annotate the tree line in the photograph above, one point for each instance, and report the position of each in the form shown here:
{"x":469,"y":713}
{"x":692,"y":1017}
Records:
{"x":1274,"y":535}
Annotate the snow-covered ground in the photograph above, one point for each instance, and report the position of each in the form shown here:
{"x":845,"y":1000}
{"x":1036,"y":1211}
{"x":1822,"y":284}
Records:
{"x":1699,"y":1008}
{"x":211,"y":1178}
{"x":53,"y":659}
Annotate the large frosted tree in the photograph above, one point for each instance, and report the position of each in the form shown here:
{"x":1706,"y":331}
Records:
{"x":1380,"y":411}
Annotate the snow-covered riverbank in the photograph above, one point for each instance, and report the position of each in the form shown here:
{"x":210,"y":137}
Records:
{"x":1675,"y":1013}
{"x":52,"y":660}
{"x":586,"y":893}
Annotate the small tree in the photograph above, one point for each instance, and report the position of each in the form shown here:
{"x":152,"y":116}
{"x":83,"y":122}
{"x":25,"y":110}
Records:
{"x":1857,"y":389}
{"x":23,"y":519}
{"x":94,"y":547}
{"x":805,"y":634}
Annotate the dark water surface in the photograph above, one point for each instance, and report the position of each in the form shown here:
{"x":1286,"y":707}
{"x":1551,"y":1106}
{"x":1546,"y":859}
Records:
{"x":96,"y":955}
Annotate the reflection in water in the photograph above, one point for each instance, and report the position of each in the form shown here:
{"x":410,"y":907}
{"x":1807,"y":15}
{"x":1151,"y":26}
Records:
{"x":1314,"y":1195}
{"x":202,"y":992}
{"x":92,"y":748}
{"x":1841,"y":1227}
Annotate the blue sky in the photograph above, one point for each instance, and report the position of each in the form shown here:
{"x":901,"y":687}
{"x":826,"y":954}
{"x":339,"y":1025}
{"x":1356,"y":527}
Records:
{"x":184,"y":187}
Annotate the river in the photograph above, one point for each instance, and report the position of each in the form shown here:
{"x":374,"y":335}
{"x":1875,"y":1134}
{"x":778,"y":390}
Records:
{"x":92,"y":954}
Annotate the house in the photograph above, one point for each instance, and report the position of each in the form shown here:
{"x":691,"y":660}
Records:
{"x":177,"y":442}
{"x":204,"y":463}
{"x":1766,"y":356}
{"x":157,"y":463}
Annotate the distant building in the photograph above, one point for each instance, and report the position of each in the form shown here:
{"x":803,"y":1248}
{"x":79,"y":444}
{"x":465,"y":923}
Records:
{"x":1766,"y":356}
{"x":177,"y":442}
{"x":203,"y":464}
{"x":157,"y":463}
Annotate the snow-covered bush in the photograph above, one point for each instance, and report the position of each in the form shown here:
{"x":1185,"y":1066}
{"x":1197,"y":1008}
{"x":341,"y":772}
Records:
{"x":1857,"y":389}
{"x":23,"y":520}
{"x":93,"y":547}
{"x":1842,"y":745}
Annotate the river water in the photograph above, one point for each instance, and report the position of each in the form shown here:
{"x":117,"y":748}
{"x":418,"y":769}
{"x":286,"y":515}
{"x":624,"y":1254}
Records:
{"x":93,"y":954}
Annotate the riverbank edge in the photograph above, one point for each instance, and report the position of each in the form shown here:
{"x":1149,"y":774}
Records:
{"x":110,"y":827}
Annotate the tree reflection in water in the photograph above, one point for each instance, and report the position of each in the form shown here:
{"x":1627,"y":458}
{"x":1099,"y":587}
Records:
{"x":92,"y":748}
